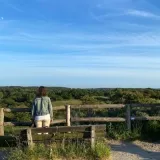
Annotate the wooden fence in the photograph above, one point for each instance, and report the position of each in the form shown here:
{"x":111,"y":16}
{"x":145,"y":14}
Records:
{"x":62,"y":134}
{"x":68,"y":120}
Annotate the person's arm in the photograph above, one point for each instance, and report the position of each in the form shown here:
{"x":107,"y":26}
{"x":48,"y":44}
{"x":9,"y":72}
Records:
{"x":50,"y":109}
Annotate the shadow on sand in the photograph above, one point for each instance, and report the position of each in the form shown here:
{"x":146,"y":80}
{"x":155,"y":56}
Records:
{"x":132,"y":148}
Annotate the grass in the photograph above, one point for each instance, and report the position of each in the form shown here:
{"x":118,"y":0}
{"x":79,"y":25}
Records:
{"x":64,"y":102}
{"x":119,"y":131}
{"x":13,"y":130}
{"x":81,"y":151}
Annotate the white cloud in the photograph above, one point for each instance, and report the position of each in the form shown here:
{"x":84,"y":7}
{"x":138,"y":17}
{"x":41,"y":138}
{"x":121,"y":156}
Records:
{"x":141,"y":13}
{"x":76,"y":41}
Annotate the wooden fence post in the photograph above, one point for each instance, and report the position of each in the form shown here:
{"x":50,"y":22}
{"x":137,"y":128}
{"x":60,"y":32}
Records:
{"x":93,"y":134}
{"x":128,"y":117}
{"x":68,"y":115}
{"x":1,"y":122}
{"x":29,"y":138}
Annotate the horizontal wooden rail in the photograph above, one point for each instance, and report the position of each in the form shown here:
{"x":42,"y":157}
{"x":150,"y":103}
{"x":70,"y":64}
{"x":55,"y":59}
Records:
{"x":17,"y":109}
{"x":145,"y":105}
{"x":98,"y":119}
{"x":100,"y":106}
{"x":79,"y":128}
{"x":68,"y":110}
{"x":29,"y":109}
{"x":153,"y":118}
{"x":57,"y":121}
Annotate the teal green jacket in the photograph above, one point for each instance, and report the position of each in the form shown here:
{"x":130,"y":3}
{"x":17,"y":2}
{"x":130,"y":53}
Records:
{"x":42,"y":106}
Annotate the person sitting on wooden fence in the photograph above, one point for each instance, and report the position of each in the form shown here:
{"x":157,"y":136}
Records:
{"x":42,"y":112}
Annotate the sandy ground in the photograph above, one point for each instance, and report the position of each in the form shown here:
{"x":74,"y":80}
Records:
{"x":2,"y":155}
{"x":136,"y":150}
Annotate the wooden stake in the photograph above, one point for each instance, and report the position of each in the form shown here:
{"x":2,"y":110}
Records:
{"x":68,"y":115}
{"x":93,"y":134}
{"x":29,"y":138}
{"x":1,"y":122}
{"x":128,"y":117}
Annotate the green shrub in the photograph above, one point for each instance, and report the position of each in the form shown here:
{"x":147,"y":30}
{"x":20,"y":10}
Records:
{"x":101,"y":151}
{"x":151,"y":130}
{"x":68,"y":151}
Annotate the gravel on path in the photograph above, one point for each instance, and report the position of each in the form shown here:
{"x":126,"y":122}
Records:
{"x":136,"y":150}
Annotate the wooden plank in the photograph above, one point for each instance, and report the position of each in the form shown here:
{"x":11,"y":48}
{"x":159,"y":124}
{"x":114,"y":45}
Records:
{"x":17,"y":109}
{"x":145,"y":105}
{"x":100,"y":106}
{"x":150,"y":118}
{"x":29,"y":109}
{"x":17,"y":123}
{"x":57,"y":121}
{"x":56,"y":108}
{"x":29,"y":123}
{"x":80,"y":128}
{"x":71,"y":135}
{"x":1,"y":122}
{"x":67,"y":141}
{"x":98,"y":119}
{"x":128,"y":117}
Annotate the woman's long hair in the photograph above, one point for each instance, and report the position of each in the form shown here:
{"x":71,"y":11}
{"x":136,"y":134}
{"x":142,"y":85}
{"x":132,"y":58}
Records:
{"x":41,"y":91}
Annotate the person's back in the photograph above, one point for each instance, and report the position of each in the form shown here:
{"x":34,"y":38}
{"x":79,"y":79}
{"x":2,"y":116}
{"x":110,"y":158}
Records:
{"x":42,"y":109}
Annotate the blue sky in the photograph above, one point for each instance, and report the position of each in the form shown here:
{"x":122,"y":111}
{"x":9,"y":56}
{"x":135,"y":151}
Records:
{"x":80,"y":43}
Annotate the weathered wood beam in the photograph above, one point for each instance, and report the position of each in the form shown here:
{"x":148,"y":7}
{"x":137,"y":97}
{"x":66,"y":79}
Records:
{"x":98,"y":119}
{"x":150,"y":118}
{"x":80,"y":128}
{"x":145,"y":105}
{"x":1,"y":122}
{"x":100,"y":106}
{"x":29,"y":123}
{"x":29,"y":109}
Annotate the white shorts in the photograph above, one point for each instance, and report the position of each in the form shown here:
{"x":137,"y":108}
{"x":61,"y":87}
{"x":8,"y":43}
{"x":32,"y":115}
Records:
{"x":41,"y":118}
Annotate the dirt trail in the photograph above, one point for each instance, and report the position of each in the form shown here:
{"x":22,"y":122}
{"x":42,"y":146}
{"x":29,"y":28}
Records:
{"x":136,"y":150}
{"x":2,"y":155}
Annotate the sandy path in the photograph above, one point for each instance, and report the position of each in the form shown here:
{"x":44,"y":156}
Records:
{"x":2,"y":155}
{"x":136,"y":150}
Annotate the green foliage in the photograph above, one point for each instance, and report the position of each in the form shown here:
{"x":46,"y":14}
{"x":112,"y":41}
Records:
{"x":70,"y":151}
{"x":101,"y":151}
{"x":1,"y":95}
{"x":151,"y":130}
{"x":88,"y":100}
{"x":119,"y":131}
{"x":22,"y":117}
{"x":17,"y":95}
{"x":18,"y":154}
{"x":23,"y":97}
{"x":9,"y":102}
{"x":65,"y":102}
{"x":13,"y":131}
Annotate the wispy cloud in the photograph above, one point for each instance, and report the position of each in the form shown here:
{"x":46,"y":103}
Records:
{"x":131,"y":12}
{"x":141,"y":13}
{"x":79,"y":41}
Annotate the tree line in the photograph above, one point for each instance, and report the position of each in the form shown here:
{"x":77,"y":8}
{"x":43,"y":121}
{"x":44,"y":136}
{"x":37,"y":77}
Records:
{"x":16,"y":96}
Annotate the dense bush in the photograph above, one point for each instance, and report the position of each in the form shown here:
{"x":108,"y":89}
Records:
{"x":23,"y":96}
